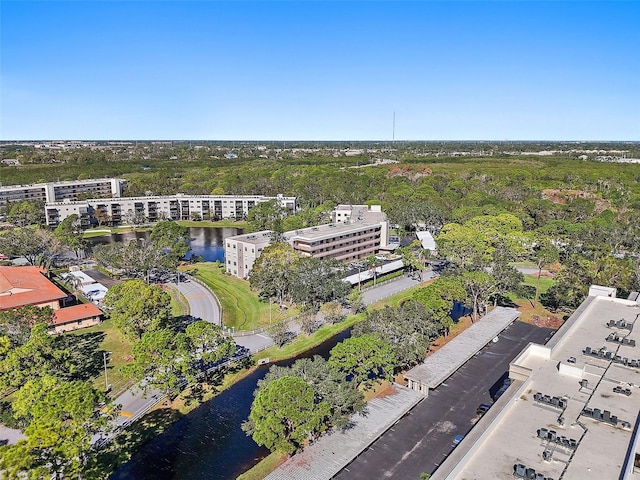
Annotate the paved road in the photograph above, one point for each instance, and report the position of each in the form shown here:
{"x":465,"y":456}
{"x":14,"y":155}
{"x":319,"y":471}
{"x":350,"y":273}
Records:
{"x":201,"y":303}
{"x":420,"y":441}
{"x":260,"y":341}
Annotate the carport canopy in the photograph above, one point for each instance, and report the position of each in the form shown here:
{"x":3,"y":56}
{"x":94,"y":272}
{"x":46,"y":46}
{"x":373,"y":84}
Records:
{"x":444,"y":362}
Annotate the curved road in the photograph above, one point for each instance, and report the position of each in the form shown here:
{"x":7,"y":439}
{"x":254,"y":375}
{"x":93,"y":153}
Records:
{"x":202,"y":304}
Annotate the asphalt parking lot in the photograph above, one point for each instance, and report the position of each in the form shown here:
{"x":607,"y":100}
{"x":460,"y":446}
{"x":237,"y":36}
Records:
{"x":421,"y":440}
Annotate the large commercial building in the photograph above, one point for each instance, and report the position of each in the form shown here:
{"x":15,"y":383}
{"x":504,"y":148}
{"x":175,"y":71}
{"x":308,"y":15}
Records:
{"x":60,"y":191}
{"x":357,"y":231}
{"x":115,"y":211}
{"x":572,"y":410}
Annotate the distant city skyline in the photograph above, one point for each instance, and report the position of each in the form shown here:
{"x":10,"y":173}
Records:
{"x":287,"y":71}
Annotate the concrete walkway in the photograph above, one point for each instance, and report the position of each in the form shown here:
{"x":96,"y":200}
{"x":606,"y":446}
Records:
{"x":331,"y":453}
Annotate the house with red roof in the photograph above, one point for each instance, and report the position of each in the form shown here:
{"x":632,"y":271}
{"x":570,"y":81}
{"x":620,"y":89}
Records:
{"x":27,"y":285}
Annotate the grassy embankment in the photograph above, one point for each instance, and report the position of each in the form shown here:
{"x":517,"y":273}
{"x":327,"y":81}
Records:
{"x":241,"y":307}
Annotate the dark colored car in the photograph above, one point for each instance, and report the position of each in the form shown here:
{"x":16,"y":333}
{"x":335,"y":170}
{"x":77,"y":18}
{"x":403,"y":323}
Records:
{"x":482,"y":408}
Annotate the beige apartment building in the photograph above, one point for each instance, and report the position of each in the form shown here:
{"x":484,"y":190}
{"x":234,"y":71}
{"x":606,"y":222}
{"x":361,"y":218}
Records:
{"x":357,"y":231}
{"x":60,"y":191}
{"x":116,"y":211}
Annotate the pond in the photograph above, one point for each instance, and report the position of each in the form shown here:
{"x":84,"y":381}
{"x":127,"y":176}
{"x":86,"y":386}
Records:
{"x":207,"y":242}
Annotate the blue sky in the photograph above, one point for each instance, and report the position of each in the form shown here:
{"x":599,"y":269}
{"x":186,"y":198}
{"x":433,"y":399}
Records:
{"x":319,"y":70}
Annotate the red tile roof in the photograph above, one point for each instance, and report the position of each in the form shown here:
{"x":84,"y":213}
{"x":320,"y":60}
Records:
{"x":21,"y":286}
{"x":75,"y":313}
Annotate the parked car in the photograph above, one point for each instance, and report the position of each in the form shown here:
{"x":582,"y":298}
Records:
{"x":482,"y":408}
{"x":457,"y":439}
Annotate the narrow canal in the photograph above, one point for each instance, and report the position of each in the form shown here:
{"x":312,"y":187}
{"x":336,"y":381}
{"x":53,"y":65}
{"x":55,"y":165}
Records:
{"x":208,"y":443}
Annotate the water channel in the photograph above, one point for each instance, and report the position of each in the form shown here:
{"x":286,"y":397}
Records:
{"x":206,"y":242}
{"x":208,"y":443}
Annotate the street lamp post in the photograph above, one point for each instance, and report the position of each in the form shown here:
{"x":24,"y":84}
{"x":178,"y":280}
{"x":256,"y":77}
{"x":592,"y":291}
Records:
{"x":106,"y":377}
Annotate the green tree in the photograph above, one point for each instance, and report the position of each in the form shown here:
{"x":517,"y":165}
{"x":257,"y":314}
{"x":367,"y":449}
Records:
{"x":63,"y":416}
{"x":480,"y":287}
{"x":355,"y":300}
{"x":464,"y":246}
{"x":285,"y":414}
{"x":545,"y":254}
{"x":363,"y":358}
{"x":438,"y":298}
{"x":17,"y":323}
{"x":408,"y":328}
{"x":162,"y":359}
{"x":171,"y":237}
{"x":38,"y":246}
{"x":333,"y":312}
{"x":280,"y":333}
{"x":272,"y":271}
{"x":315,"y":281}
{"x":208,"y":343}
{"x":25,"y":213}
{"x":136,"y":307}
{"x":69,"y":232}
{"x":267,"y":216}
{"x":342,"y":396}
{"x":38,"y":356}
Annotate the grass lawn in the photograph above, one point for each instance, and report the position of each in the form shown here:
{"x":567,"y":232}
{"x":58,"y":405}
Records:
{"x":545,"y":282}
{"x":241,"y":308}
{"x":110,"y":340}
{"x":264,"y":467}
{"x":304,"y":342}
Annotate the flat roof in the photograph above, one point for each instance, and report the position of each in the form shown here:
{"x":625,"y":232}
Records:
{"x":442,"y":363}
{"x":601,"y":447}
{"x":255,"y":238}
{"x":329,"y":230}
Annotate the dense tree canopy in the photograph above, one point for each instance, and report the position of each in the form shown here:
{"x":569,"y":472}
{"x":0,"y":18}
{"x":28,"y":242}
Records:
{"x":364,"y":358}
{"x":171,"y":238}
{"x":285,"y":414}
{"x":136,"y":307}
{"x":62,"y":419}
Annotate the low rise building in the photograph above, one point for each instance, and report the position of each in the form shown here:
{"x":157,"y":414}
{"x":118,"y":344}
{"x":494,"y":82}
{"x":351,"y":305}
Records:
{"x":573,"y":408}
{"x":358,"y":231}
{"x":27,"y":285}
{"x":241,"y":252}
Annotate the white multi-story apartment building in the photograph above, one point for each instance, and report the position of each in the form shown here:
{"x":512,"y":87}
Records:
{"x":59,"y":191}
{"x":358,"y":231}
{"x":115,"y":211}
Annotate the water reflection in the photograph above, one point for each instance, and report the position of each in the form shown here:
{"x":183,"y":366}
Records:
{"x":208,"y":443}
{"x":206,"y":242}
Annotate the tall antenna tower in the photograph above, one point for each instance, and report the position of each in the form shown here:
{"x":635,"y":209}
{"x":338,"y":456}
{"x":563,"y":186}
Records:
{"x":393,"y":132}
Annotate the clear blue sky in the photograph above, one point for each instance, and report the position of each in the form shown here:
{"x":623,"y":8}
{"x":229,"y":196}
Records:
{"x":320,"y":70}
